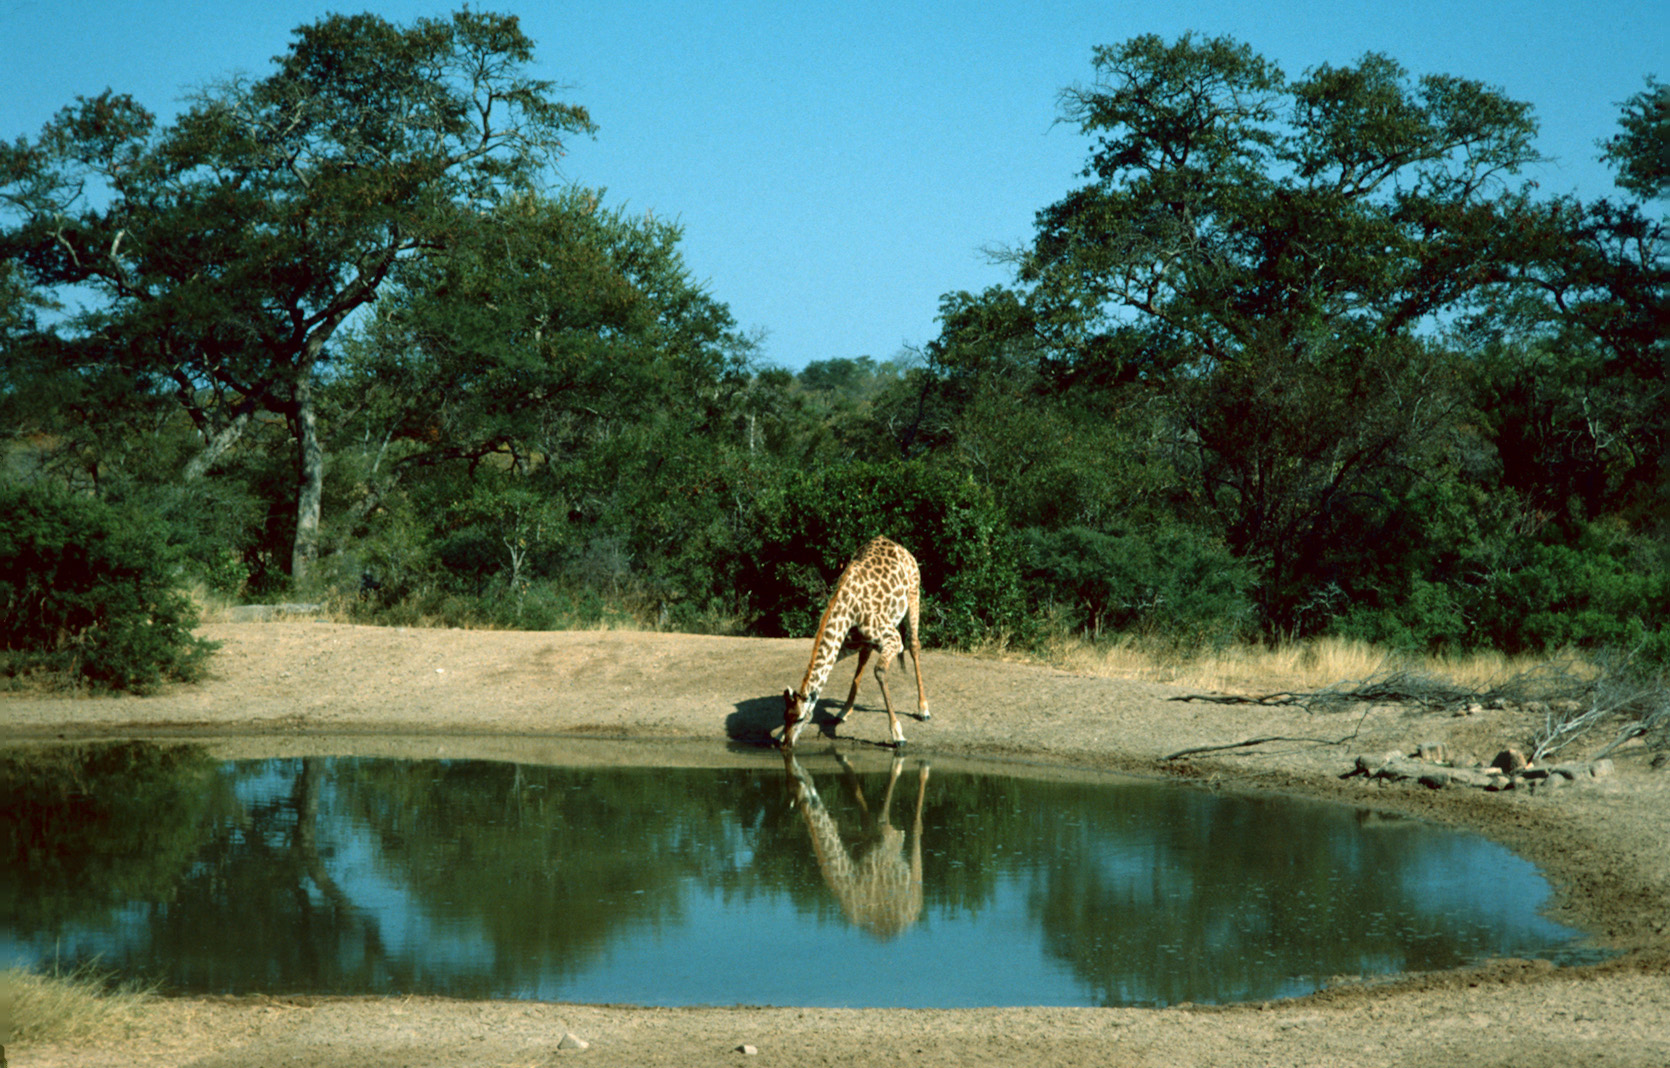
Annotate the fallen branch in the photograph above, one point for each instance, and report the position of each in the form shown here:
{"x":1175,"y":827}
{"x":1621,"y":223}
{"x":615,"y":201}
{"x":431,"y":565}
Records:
{"x":1257,"y":741}
{"x":1282,"y":698}
{"x":1191,"y":751}
{"x":1405,"y":687}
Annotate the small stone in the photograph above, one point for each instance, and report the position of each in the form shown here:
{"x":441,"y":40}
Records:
{"x":1431,"y":752}
{"x":1662,"y":760}
{"x":570,"y":1040}
{"x":1602,"y":768}
{"x":746,"y":1050}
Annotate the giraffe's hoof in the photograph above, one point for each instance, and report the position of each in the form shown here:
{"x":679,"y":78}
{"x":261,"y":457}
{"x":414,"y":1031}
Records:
{"x":925,"y":715}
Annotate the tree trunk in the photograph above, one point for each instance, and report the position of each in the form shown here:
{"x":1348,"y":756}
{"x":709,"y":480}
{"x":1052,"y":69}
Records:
{"x":312,"y":479}
{"x":218,"y":444}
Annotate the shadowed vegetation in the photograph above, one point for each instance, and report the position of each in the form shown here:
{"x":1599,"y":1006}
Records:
{"x":1301,"y":356}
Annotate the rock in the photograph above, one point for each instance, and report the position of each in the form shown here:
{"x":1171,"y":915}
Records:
{"x":570,"y":1040}
{"x":746,"y":1050}
{"x":1661,"y":761}
{"x":1374,"y":765}
{"x":256,"y":613}
{"x":1478,"y":777}
{"x":1432,"y":752}
{"x":1510,"y":761}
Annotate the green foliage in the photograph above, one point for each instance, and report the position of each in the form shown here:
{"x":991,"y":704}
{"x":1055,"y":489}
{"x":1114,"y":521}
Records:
{"x":88,"y":590}
{"x":98,"y":826}
{"x":1264,"y":258}
{"x":812,"y":522}
{"x":1524,"y":594}
{"x":1172,"y":582}
{"x":218,"y":256}
{"x":1642,"y":151}
{"x":1296,"y":355}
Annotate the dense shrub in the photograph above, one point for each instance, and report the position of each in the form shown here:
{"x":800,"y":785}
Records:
{"x":1525,"y":595}
{"x":87,"y":591}
{"x":812,"y":522}
{"x":1167,"y":582}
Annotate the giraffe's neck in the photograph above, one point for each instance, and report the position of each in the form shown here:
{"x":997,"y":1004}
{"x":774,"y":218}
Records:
{"x":832,"y":634}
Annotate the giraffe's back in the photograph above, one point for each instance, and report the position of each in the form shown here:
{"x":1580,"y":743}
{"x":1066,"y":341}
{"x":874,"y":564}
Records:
{"x":875,"y":591}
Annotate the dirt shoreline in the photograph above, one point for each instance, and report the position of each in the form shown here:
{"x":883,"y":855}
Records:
{"x":298,"y":687}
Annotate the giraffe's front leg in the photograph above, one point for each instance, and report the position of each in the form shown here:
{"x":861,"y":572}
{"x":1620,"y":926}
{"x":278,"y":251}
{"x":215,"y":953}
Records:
{"x":864,"y":652}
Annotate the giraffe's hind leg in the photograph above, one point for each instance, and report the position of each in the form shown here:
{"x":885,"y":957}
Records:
{"x":913,"y":618}
{"x":889,"y":649}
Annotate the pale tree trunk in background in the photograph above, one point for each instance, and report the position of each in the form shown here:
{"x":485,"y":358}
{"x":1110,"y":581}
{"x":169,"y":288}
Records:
{"x":306,"y":549}
{"x":218,"y":444}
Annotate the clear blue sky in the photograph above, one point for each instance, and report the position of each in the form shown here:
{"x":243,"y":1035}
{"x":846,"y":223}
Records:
{"x":839,"y":166}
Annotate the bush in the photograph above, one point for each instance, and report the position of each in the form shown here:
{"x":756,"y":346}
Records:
{"x":87,"y":591}
{"x":812,"y":522}
{"x":1168,"y":582}
{"x":1521,"y":595}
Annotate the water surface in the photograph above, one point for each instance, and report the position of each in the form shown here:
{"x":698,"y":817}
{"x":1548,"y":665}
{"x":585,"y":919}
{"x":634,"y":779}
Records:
{"x":823,"y":881}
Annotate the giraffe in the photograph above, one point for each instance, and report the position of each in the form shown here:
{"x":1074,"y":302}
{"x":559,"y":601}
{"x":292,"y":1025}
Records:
{"x":876,"y":887}
{"x":878,"y":590}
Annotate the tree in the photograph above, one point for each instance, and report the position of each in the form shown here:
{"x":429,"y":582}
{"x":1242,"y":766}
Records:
{"x":1279,"y":259}
{"x":223,"y":252}
{"x":1577,"y":363}
{"x":556,"y":359}
{"x":1642,"y":151}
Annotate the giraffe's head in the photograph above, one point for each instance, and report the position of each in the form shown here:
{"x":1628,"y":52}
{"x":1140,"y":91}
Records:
{"x":797,"y":711}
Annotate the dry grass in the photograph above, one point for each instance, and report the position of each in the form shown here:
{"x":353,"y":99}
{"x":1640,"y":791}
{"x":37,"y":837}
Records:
{"x":78,"y":1006}
{"x":1289,"y":668}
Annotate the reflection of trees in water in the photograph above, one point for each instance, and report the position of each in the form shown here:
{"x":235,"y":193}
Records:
{"x":547,"y":866}
{"x":88,"y":828}
{"x":878,"y":888}
{"x":342,"y":875}
{"x":258,"y":908}
{"x":1177,"y":896}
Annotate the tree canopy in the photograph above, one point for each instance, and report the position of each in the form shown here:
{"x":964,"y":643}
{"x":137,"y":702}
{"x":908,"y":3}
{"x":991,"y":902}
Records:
{"x":1294,"y":355}
{"x":223,"y":252}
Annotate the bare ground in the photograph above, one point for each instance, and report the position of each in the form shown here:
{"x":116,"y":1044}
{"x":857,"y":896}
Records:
{"x":288,"y":688}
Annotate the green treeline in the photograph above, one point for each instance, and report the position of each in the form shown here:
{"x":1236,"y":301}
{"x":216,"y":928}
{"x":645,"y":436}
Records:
{"x":1301,"y":355}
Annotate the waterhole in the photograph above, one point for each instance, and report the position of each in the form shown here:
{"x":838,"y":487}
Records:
{"x":831,"y":880}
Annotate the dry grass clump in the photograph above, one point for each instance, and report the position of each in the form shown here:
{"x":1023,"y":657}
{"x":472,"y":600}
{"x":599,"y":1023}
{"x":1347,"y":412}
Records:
{"x":1578,"y":697}
{"x":1292,"y":667}
{"x":78,"y":1006}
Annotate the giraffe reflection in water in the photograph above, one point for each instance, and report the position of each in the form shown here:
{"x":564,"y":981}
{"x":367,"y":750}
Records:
{"x":879,"y":889}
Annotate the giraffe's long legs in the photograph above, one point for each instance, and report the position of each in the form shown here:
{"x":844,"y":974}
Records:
{"x":913,"y":616}
{"x":888,"y":650}
{"x":852,"y":694}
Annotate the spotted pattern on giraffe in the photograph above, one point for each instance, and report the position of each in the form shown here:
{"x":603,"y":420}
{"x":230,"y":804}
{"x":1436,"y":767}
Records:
{"x":879,"y":590}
